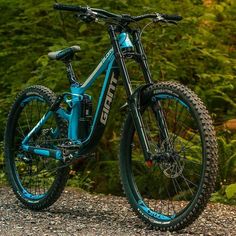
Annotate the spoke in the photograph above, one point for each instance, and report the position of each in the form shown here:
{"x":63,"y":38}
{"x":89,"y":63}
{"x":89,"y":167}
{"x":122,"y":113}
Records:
{"x":185,"y":179}
{"x":188,"y":181}
{"x":27,"y":120}
{"x":182,"y":134}
{"x":165,"y":115}
{"x":30,"y":179}
{"x":31,"y":113}
{"x":39,"y":110}
{"x":189,"y":147}
{"x":177,"y":184}
{"x":21,"y":130}
{"x":35,"y":185}
{"x":175,"y":123}
{"x":182,"y":124}
{"x":169,"y":200}
{"x":177,"y":179}
{"x":38,"y":176}
{"x":193,"y":162}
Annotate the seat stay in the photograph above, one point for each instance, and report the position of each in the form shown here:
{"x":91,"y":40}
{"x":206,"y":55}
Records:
{"x":57,"y":154}
{"x":37,"y":127}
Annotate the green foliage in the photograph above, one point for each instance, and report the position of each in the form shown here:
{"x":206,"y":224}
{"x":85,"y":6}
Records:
{"x":200,"y":53}
{"x":2,"y":173}
{"x":226,"y":195}
{"x":227,"y":161}
{"x":81,"y":181}
{"x":105,"y":176}
{"x":231,"y":191}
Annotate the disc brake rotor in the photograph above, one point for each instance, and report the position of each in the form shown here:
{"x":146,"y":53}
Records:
{"x":173,"y":165}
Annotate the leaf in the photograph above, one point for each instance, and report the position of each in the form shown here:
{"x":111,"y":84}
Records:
{"x":230,"y":191}
{"x":43,"y":60}
{"x":83,"y":28}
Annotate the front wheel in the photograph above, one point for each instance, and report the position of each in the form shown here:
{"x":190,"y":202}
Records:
{"x":171,"y":190}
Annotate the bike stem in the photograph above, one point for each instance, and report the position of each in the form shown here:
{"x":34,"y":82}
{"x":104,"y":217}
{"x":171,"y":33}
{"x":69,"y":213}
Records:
{"x":137,"y":119}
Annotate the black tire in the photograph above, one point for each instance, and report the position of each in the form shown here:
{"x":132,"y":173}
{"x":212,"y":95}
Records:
{"x":36,"y":181}
{"x":169,"y":194}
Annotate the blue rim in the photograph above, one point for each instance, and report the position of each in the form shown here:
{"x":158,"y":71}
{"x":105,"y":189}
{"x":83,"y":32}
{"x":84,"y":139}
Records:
{"x":29,"y":99}
{"x":146,"y":210}
{"x":166,"y":96}
{"x":141,"y":205}
{"x":30,"y":196}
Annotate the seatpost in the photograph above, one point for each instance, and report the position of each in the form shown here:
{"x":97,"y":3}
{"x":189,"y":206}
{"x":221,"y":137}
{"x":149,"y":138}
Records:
{"x":70,"y":73}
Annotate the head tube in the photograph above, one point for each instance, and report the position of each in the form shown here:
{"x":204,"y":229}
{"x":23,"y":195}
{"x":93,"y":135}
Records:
{"x":124,"y":40}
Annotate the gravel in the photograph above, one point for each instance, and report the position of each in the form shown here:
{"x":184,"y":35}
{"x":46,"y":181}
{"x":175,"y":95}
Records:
{"x":80,"y":213}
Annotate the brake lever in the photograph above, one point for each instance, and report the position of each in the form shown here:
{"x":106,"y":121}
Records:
{"x":156,"y":20}
{"x":87,"y":18}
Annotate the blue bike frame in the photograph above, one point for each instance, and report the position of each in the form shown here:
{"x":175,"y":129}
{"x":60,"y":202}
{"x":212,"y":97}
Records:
{"x":108,"y":64}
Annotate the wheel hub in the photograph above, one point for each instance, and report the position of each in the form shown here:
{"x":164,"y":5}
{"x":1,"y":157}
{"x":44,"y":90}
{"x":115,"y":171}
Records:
{"x":172,"y":166}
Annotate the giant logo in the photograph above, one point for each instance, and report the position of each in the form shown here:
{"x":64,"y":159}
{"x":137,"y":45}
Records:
{"x":108,"y":100}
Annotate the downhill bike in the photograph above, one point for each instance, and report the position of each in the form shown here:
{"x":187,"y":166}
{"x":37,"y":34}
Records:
{"x":168,"y":151}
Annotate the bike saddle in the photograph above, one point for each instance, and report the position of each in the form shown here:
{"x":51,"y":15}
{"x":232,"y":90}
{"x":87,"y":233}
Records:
{"x":64,"y":54}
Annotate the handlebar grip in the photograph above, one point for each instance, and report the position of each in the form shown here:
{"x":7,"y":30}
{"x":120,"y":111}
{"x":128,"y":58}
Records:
{"x":172,"y":17}
{"x":59,"y":6}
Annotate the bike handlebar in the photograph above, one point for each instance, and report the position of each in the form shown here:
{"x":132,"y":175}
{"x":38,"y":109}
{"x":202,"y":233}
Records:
{"x":59,"y":6}
{"x":172,"y":17}
{"x":156,"y":15}
{"x":105,"y":14}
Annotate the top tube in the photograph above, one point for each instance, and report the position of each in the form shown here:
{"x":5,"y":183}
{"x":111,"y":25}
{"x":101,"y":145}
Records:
{"x":124,"y":42}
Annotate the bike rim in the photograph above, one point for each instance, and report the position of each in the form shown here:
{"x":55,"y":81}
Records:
{"x":33,"y":174}
{"x":165,"y":189}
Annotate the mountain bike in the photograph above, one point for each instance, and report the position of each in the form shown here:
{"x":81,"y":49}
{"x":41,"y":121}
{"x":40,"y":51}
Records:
{"x":168,"y":150}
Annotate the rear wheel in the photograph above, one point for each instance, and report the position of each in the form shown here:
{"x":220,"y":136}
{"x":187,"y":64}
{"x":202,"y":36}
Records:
{"x":37,"y":181}
{"x":171,"y":190}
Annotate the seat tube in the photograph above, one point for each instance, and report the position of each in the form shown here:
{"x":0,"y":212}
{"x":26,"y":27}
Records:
{"x":73,"y":128}
{"x":136,"y":116}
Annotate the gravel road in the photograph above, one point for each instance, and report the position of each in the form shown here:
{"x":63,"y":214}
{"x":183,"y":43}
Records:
{"x":80,"y":213}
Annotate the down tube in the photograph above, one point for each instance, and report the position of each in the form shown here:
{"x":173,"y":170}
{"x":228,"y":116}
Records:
{"x":103,"y":108}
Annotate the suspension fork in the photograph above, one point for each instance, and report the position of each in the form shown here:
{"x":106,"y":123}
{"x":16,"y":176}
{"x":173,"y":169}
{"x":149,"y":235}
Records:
{"x":132,"y":102}
{"x":164,"y":135}
{"x":143,"y":58}
{"x":161,"y":121}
